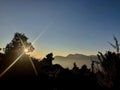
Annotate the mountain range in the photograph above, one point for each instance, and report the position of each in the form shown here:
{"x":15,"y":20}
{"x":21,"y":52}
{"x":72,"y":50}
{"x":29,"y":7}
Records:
{"x":76,"y":57}
{"x":79,"y":59}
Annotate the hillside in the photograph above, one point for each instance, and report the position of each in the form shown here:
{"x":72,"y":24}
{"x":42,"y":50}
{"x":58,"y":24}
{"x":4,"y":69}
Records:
{"x":79,"y":59}
{"x":76,"y":57}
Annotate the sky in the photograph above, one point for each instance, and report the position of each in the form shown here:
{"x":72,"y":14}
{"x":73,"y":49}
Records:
{"x":65,"y":26}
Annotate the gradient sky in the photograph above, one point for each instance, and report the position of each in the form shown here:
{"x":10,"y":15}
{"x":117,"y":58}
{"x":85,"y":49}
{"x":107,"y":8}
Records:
{"x":72,"y":26}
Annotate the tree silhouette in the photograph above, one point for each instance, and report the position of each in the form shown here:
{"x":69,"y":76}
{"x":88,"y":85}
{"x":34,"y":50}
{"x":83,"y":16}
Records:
{"x":15,"y":62}
{"x":116,"y":46}
{"x":48,"y":60}
{"x":18,"y":44}
{"x":110,"y":63}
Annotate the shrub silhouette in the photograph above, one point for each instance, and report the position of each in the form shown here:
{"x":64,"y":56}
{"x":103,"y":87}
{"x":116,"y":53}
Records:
{"x":116,"y":45}
{"x":110,"y":62}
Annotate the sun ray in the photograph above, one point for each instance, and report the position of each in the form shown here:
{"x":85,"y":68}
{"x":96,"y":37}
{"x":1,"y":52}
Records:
{"x":43,"y":31}
{"x":35,"y":70}
{"x":11,"y":65}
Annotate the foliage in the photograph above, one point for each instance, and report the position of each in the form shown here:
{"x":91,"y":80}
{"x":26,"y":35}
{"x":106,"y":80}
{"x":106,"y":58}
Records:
{"x":110,"y":62}
{"x":18,"y":44}
{"x":48,"y":59}
{"x":106,"y":76}
{"x":116,"y":46}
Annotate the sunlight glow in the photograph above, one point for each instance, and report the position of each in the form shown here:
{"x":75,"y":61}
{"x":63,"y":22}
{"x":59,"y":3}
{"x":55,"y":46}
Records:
{"x":25,"y":51}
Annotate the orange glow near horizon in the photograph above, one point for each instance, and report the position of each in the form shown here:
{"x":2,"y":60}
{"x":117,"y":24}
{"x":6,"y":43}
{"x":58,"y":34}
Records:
{"x":40,"y":54}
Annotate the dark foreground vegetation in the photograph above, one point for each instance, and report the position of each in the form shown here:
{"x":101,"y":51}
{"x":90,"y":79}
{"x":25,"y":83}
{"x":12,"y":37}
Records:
{"x":19,"y":71}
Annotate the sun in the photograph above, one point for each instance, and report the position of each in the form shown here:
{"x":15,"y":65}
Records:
{"x":26,"y":50}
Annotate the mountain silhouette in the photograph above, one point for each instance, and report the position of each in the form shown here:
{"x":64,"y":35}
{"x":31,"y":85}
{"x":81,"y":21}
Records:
{"x":76,"y":57}
{"x":80,"y":59}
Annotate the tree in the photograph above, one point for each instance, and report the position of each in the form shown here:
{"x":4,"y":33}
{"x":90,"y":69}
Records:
{"x":48,"y":59}
{"x":18,"y":44}
{"x":110,"y":65}
{"x":15,"y":62}
{"x":116,"y":46}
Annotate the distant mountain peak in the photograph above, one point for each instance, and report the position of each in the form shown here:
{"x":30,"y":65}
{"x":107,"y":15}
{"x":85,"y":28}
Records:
{"x":77,"y":57}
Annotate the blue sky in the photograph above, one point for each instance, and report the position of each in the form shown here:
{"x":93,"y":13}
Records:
{"x":72,"y":26}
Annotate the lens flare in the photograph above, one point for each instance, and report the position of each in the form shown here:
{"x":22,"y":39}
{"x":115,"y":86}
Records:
{"x":11,"y":65}
{"x":26,"y":50}
{"x":35,"y":70}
